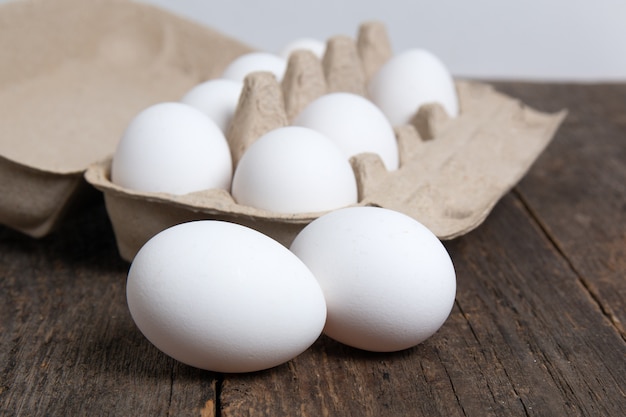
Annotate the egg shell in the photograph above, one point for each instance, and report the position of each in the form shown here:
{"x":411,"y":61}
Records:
{"x":294,"y":170}
{"x":255,"y":61}
{"x":217,"y":98}
{"x":172,"y":148}
{"x":409,"y":80}
{"x":389,"y":283}
{"x":354,"y":123}
{"x":310,"y":44}
{"x":223,"y":297}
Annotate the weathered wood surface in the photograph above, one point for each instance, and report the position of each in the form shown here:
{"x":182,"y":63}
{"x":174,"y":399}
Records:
{"x":537,"y":329}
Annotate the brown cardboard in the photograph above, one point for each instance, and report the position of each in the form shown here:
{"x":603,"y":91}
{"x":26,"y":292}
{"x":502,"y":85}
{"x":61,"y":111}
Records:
{"x":302,"y":83}
{"x":373,"y":46}
{"x":342,"y":66}
{"x":452,"y":171}
{"x":261,"y":108}
{"x":73,"y":73}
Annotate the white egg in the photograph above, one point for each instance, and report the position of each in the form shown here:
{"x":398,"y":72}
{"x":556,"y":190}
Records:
{"x":217,"y":98}
{"x":223,"y":297}
{"x":409,"y":80}
{"x":310,"y":44}
{"x":354,"y":123}
{"x":389,"y":283}
{"x":255,"y":61}
{"x":172,"y":148}
{"x":294,"y":170}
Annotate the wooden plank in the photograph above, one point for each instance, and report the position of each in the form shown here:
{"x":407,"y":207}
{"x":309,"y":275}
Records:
{"x":577,"y":190}
{"x":562,"y":354}
{"x":508,"y":348}
{"x":67,"y":343}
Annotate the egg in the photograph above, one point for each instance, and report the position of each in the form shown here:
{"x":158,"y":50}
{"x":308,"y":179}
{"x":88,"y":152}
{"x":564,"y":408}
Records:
{"x":409,"y":80}
{"x":223,"y":297}
{"x":310,"y":44}
{"x":172,"y":148}
{"x":217,"y":98}
{"x":388,"y":282}
{"x":354,"y":123}
{"x":294,"y":170}
{"x":244,"y":64}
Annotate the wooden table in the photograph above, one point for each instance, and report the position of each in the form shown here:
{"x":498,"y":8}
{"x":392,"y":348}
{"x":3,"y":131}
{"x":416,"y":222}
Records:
{"x":538,"y":328}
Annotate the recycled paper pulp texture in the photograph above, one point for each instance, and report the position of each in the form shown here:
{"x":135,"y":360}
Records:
{"x":75,"y":73}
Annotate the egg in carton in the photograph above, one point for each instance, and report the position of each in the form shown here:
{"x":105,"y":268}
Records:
{"x":452,"y":171}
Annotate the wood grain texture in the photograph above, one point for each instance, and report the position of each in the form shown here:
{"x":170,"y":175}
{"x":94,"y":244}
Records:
{"x":537,"y":328}
{"x":525,"y":338}
{"x":68,"y":346}
{"x":578,"y":189}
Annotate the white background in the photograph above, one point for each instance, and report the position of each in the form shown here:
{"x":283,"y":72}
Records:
{"x":546,"y":40}
{"x":570,"y":40}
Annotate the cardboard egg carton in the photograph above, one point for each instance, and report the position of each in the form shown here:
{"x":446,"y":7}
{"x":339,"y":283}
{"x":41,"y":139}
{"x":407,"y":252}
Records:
{"x":452,"y":171}
{"x":107,"y":60}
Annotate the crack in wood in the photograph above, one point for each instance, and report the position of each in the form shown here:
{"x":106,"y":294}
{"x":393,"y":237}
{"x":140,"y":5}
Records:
{"x":219,"y":385}
{"x":478,"y":340}
{"x":169,"y":401}
{"x":454,"y":390}
{"x":606,"y":312}
{"x":515,"y":391}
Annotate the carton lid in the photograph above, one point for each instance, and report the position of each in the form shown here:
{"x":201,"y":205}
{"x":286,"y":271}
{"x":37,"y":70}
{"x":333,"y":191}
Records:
{"x":75,"y":72}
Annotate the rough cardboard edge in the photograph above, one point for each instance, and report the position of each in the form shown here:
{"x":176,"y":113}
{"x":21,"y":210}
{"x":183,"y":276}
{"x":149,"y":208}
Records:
{"x":208,"y":202}
{"x":48,"y":197}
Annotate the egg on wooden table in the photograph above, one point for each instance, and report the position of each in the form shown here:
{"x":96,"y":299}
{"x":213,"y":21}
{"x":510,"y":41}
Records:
{"x":294,"y":170}
{"x":388,"y":282}
{"x":223,"y":297}
{"x":354,"y":123}
{"x":217,"y":98}
{"x":410,"y":79}
{"x":172,"y":148}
